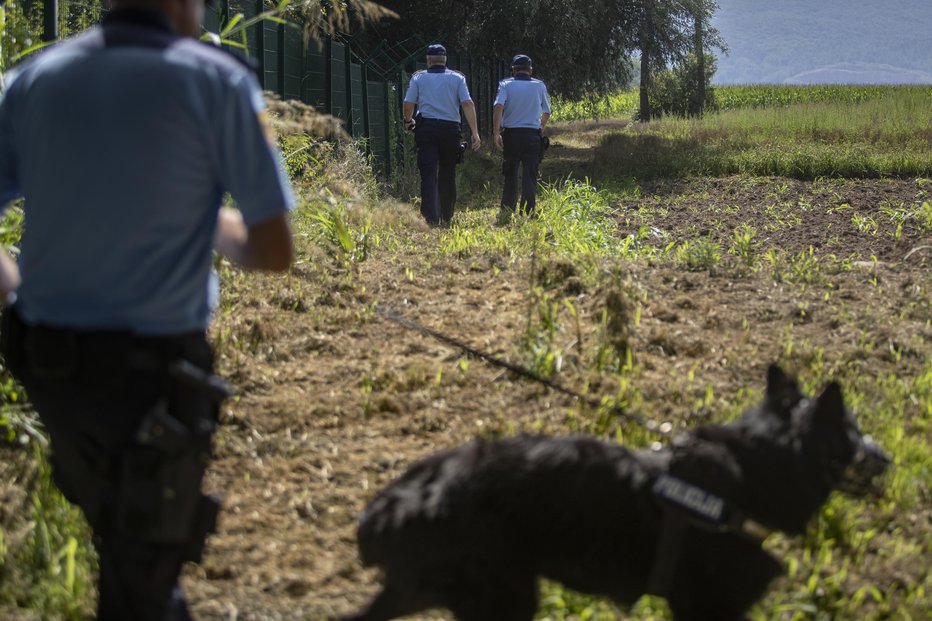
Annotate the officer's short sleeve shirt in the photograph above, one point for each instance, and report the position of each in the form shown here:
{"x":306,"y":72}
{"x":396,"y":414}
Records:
{"x":523,"y":99}
{"x":123,"y":142}
{"x":438,"y":93}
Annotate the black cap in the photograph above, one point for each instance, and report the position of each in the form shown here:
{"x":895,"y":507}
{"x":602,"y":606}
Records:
{"x":521,"y":61}
{"x":435,"y":49}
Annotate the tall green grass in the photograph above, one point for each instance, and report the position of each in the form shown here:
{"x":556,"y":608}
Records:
{"x":623,"y":105}
{"x":774,"y":95}
{"x":869,"y":138}
{"x":573,"y":220}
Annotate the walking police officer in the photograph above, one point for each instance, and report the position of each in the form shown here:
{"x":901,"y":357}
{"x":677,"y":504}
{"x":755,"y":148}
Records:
{"x":438,"y":93}
{"x":123,"y":141}
{"x":521,"y":111}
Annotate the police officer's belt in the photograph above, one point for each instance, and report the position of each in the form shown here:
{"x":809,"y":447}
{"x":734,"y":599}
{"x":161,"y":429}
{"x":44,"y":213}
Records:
{"x":438,"y":122}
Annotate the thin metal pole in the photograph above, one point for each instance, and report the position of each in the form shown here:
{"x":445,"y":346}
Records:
{"x":49,"y":20}
{"x":348,"y":60}
{"x":400,"y":143}
{"x":365,"y":107}
{"x":388,"y":129}
{"x":260,"y":43}
{"x":328,"y":76}
{"x":281,"y":60}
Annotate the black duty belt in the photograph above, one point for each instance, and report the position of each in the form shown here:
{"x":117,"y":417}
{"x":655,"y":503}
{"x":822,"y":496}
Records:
{"x":60,"y":353}
{"x":521,"y":130}
{"x":439,"y":122}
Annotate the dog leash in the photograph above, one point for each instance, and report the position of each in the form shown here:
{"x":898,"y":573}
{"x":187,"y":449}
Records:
{"x":401,"y":320}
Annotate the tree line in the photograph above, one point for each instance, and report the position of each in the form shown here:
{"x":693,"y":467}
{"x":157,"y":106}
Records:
{"x":582,"y":48}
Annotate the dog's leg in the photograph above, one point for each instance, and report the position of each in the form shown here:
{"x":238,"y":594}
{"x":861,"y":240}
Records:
{"x":511,"y":598}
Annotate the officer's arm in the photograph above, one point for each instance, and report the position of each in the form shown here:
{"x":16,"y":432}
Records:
{"x":408,"y":114}
{"x":497,"y":112}
{"x":469,"y":109}
{"x":9,"y":275}
{"x":9,"y":189}
{"x":544,"y":117}
{"x":265,"y":245}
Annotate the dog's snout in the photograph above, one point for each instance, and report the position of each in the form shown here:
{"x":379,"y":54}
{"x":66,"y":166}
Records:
{"x":873,"y":458}
{"x":862,"y":477}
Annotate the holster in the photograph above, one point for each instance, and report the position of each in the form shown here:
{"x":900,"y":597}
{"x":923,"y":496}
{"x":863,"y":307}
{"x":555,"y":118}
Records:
{"x":11,"y":337}
{"x":461,"y":154}
{"x":159,"y":497}
{"x":544,"y":145}
{"x":156,"y":480}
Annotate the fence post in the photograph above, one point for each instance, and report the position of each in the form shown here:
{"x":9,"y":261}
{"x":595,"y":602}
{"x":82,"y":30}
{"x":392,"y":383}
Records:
{"x":348,"y":70}
{"x":302,"y":89}
{"x":400,"y":144}
{"x":365,"y":106}
{"x":281,"y":61}
{"x":388,"y":131}
{"x":49,"y":20}
{"x":328,"y":76}
{"x":260,"y":43}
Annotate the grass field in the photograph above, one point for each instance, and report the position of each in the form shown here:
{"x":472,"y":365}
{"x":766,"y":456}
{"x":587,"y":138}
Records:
{"x":671,"y":262}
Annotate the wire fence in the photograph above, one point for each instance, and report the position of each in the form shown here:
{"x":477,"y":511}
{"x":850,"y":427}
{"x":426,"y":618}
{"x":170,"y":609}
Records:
{"x":362,"y":87}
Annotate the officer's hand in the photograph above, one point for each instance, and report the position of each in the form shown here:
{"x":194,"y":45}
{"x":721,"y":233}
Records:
{"x":498,"y":142}
{"x":409,"y":126}
{"x":476,"y":142}
{"x":9,"y":276}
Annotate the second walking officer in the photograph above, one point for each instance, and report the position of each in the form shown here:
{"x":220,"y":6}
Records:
{"x":521,"y":111}
{"x":438,"y":93}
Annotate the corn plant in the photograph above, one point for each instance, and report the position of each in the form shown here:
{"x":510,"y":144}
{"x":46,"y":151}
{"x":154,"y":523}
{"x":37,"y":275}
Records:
{"x":344,"y":242}
{"x":744,"y":245}
{"x":702,"y":254}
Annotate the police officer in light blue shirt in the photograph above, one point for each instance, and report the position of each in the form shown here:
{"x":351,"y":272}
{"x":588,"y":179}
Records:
{"x":122,"y":142}
{"x":521,"y":111}
{"x":439,"y":94}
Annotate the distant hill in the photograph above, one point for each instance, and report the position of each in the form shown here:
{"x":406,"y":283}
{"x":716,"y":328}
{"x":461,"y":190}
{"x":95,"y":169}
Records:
{"x":825,"y":41}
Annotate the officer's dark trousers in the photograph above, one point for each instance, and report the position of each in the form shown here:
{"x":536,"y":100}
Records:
{"x":437,"y":154}
{"x":91,"y":397}
{"x":521,"y":147}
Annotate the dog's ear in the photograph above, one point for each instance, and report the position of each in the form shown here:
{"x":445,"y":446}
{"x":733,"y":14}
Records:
{"x":830,"y":404}
{"x":782,"y":390}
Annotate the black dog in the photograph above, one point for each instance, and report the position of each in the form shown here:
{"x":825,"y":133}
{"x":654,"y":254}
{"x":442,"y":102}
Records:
{"x":472,"y":529}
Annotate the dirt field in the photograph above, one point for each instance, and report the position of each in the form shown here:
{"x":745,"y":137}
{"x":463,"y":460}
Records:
{"x":335,"y":401}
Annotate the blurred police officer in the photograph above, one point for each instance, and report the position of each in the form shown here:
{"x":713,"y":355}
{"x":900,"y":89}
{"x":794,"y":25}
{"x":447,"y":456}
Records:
{"x":123,"y":141}
{"x":438,"y":93}
{"x":521,"y":111}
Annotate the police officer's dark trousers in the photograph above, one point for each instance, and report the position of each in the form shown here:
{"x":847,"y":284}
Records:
{"x":95,"y":391}
{"x":521,"y":147}
{"x":438,"y":144}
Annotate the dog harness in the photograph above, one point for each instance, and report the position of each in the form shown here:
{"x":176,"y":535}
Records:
{"x":686,"y":505}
